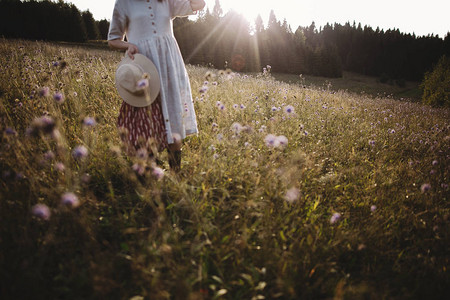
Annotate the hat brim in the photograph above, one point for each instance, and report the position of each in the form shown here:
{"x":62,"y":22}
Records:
{"x":154,"y":82}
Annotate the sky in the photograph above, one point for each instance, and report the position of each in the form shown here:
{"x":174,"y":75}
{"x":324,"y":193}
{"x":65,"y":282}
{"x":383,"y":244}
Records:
{"x":409,"y":16}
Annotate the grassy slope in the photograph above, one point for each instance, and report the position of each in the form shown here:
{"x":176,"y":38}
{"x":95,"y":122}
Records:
{"x":223,"y":226}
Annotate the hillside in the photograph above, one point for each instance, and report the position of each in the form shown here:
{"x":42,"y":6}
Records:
{"x":287,"y":192}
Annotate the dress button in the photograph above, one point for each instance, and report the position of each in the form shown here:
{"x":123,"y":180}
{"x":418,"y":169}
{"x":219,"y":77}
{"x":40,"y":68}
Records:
{"x":154,"y":31}
{"x":153,"y":23}
{"x":151,"y":15}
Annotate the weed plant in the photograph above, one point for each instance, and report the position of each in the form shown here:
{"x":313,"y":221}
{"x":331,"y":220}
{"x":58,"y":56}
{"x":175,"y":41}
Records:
{"x":286,"y":192}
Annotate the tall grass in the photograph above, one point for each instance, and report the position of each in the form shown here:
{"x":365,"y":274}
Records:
{"x":286,"y":192}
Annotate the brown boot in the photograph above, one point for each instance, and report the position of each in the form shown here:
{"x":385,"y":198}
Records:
{"x":175,"y":160}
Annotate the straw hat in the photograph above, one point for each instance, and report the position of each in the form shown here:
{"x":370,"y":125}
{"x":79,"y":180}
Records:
{"x":137,"y":81}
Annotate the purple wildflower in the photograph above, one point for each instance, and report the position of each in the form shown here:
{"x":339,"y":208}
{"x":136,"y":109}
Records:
{"x":59,"y":166}
{"x":335,"y":217}
{"x":80,"y":152}
{"x":372,"y":143}
{"x":236,"y":128}
{"x":292,"y":195}
{"x":282,"y":140}
{"x":425,"y":187}
{"x":41,"y":211}
{"x":70,"y":199}
{"x":289,"y":109}
{"x":58,"y":97}
{"x":158,"y":173}
{"x":373,"y":208}
{"x":142,"y":153}
{"x":10,"y":131}
{"x":89,"y":122}
{"x":44,"y":92}
{"x":138,"y":168}
{"x":435,"y":163}
{"x":142,"y":84}
{"x":271,"y":141}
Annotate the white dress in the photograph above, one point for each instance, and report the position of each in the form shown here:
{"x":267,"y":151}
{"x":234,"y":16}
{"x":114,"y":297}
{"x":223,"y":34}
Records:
{"x":148,"y":25}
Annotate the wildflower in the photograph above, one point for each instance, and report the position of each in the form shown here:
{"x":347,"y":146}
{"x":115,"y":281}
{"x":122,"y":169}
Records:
{"x":335,"y":217}
{"x":271,"y":141}
{"x":283,"y":141}
{"x":392,"y":131}
{"x":372,"y":143}
{"x":425,"y":187}
{"x":306,"y":133}
{"x":203,"y":89}
{"x":222,"y":107}
{"x":142,"y":84}
{"x":242,"y":106}
{"x":10,"y":131}
{"x":235,"y":106}
{"x":373,"y":208}
{"x":435,"y":163}
{"x":274,"y":108}
{"x":289,"y":109}
{"x":158,"y":173}
{"x":86,"y":178}
{"x":138,"y":168}
{"x":59,"y":166}
{"x":292,"y":195}
{"x":58,"y":97}
{"x":41,"y":211}
{"x":49,"y":155}
{"x":70,"y":199}
{"x":44,"y":124}
{"x":44,"y":92}
{"x":236,"y":128}
{"x":142,"y":153}
{"x":220,"y":137}
{"x":89,"y":122}
{"x":79,"y":152}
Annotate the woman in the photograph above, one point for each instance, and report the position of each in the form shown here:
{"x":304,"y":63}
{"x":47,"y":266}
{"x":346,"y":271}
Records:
{"x":147,"y":25}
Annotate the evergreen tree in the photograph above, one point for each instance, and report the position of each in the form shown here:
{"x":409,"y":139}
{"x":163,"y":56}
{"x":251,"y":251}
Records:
{"x":92,"y":31}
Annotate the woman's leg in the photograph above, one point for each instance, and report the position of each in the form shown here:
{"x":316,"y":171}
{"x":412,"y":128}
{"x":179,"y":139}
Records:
{"x":174,"y":152}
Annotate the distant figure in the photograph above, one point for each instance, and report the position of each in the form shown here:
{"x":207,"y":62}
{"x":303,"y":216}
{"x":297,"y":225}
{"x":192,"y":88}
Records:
{"x":147,"y":25}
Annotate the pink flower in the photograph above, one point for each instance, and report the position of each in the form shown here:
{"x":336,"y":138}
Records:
{"x":158,"y":173}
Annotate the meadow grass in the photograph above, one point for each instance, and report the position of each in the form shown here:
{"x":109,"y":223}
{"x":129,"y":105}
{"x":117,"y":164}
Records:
{"x":287,"y":192}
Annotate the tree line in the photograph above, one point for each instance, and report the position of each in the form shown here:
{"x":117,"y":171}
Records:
{"x":230,"y":41}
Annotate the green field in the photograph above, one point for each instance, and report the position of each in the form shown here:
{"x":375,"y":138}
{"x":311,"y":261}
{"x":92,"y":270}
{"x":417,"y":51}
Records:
{"x":289,"y":191}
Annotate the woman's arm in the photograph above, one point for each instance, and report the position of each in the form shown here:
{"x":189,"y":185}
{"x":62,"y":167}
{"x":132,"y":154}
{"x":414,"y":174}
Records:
{"x":197,"y":4}
{"x":131,"y":49}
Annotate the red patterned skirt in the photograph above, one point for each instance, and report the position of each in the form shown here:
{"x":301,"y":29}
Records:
{"x":140,"y":126}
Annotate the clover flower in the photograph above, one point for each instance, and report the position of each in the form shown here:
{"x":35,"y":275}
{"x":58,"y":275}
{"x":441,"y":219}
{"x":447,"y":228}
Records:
{"x":70,"y":200}
{"x":41,"y":211}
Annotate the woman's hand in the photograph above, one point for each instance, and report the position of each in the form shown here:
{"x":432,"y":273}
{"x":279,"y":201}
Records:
{"x":197,"y":4}
{"x":131,"y":49}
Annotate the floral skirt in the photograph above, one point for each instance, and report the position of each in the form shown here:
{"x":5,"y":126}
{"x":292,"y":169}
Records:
{"x":139,"y":126}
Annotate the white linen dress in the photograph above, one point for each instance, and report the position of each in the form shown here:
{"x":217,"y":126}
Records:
{"x":148,"y":25}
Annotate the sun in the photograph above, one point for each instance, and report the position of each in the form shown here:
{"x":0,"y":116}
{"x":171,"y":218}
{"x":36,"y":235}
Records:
{"x":249,"y":9}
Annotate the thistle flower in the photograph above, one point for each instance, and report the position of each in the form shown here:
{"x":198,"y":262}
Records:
{"x":58,"y":97}
{"x":70,"y":200}
{"x":335,"y":217}
{"x":292,"y":195}
{"x":80,"y":152}
{"x":41,"y":211}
